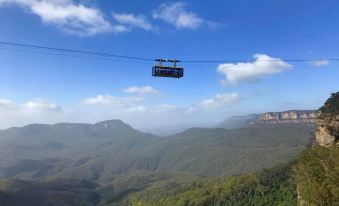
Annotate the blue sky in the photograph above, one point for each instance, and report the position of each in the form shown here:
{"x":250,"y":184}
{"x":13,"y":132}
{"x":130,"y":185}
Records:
{"x":43,"y":87}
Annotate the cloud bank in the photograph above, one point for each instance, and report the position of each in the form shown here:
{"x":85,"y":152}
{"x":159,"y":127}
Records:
{"x":136,"y":105}
{"x":70,"y":17}
{"x":34,"y":111}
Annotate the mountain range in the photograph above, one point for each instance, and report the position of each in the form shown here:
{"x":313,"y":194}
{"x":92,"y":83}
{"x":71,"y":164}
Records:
{"x":107,"y":162}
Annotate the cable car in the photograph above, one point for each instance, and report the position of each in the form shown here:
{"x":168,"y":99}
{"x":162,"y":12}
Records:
{"x":161,"y":70}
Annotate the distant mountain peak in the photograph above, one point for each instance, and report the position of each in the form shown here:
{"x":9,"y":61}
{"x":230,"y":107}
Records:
{"x":112,"y":124}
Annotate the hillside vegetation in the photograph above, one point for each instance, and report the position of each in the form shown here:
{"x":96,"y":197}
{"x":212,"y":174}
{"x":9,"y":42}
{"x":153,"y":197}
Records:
{"x":269,"y":187}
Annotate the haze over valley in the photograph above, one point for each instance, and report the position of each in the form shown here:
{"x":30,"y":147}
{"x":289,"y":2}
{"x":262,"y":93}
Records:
{"x":109,"y":152}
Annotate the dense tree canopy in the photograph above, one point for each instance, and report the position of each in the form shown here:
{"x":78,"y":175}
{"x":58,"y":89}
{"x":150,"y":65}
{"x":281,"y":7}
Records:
{"x":269,"y":187}
{"x":331,"y":106}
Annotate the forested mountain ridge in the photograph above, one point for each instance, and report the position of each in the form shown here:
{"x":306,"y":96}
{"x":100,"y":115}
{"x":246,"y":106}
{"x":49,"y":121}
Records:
{"x":38,"y":151}
{"x":102,"y":151}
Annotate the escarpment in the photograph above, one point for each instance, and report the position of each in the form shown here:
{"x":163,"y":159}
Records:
{"x":286,"y":117}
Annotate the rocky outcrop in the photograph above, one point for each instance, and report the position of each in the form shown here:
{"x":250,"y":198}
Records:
{"x":286,"y":117}
{"x":327,"y":132}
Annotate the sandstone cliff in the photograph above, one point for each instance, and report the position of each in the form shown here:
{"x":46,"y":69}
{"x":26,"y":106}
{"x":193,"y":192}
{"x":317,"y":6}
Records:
{"x":286,"y":117}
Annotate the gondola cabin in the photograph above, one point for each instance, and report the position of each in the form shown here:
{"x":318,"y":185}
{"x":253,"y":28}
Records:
{"x":160,"y":70}
{"x":164,"y":71}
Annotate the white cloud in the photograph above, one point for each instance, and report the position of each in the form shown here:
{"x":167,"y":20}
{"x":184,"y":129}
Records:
{"x":41,"y":105}
{"x":132,"y":20}
{"x":108,"y":100}
{"x":220,"y":101}
{"x":70,"y":17}
{"x":177,"y":15}
{"x":320,"y":63}
{"x":140,"y":90}
{"x":248,"y":72}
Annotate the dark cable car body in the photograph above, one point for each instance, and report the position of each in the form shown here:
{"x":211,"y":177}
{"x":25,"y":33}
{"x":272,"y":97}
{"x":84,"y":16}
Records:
{"x":160,"y":70}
